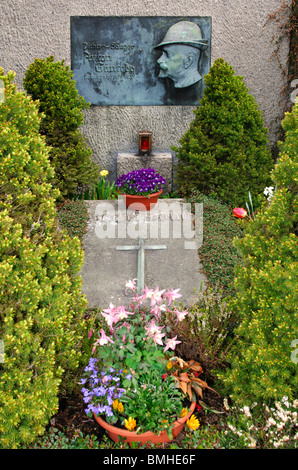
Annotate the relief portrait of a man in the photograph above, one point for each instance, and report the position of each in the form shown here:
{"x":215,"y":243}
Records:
{"x":180,"y":54}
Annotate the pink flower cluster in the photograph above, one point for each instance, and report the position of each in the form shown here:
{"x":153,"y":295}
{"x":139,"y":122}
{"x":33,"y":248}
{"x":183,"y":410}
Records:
{"x":159,"y":303}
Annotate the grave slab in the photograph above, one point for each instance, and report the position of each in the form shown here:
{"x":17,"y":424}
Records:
{"x":107,"y":267}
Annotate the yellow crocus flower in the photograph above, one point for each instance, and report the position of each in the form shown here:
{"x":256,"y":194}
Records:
{"x":120,"y":407}
{"x":169,"y":365}
{"x":184,"y":412}
{"x":193,"y":422}
{"x":130,"y":423}
{"x":103,"y":172}
{"x":117,"y":405}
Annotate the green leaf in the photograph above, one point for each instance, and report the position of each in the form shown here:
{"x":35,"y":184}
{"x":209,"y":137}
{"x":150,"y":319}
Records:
{"x":170,"y":433}
{"x":126,"y":383}
{"x":206,"y":407}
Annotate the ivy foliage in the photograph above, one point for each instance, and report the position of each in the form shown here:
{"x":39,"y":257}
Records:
{"x":224,"y":153}
{"x":263,"y":363}
{"x":51,"y":84}
{"x":41,"y":305}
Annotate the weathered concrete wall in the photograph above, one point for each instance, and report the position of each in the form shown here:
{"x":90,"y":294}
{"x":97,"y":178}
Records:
{"x":38,"y":28}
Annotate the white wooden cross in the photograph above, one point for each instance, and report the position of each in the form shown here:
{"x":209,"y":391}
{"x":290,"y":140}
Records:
{"x":141,"y":247}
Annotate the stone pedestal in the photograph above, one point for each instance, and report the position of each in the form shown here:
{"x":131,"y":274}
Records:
{"x":161,"y":162}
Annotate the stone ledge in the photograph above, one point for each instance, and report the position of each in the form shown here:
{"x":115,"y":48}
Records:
{"x":161,"y":162}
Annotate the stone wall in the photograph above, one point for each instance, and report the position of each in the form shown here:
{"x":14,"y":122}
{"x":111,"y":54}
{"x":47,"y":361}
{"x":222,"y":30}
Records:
{"x":240,"y":34}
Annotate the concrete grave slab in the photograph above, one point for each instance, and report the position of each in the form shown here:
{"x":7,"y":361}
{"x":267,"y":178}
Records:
{"x":111,"y":226}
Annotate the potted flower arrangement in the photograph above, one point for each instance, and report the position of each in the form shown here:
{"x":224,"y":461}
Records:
{"x":140,"y":188}
{"x":134,"y":385}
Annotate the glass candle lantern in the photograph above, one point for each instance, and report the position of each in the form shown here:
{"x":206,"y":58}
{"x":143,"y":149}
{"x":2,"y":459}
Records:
{"x":145,"y":142}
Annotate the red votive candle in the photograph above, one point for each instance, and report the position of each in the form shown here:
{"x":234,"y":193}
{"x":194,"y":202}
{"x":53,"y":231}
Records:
{"x":145,"y":144}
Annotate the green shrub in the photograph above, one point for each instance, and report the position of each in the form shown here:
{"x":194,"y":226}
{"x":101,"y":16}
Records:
{"x":206,"y":330}
{"x":224,"y":152}
{"x":262,"y":367}
{"x":52,"y":84}
{"x":41,"y":305}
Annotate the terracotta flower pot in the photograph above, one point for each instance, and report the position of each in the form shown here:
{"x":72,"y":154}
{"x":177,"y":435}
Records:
{"x":131,"y":436}
{"x":141,"y":203}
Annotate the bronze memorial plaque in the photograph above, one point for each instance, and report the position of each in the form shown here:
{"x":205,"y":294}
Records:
{"x":138,"y":61}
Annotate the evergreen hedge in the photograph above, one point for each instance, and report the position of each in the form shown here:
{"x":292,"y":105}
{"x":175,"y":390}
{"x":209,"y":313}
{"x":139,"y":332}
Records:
{"x":224,"y":153}
{"x":41,"y":305}
{"x":51,"y":84}
{"x":263,"y":368}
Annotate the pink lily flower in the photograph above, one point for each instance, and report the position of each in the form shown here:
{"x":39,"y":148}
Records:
{"x":131,"y":285}
{"x":157,"y":296}
{"x":157,"y":338}
{"x":112,"y":310}
{"x":147,"y":293}
{"x":111,"y":315}
{"x":154,"y":332}
{"x":172,"y":295}
{"x":171,"y":343}
{"x":104,"y":339}
{"x":181,"y":315}
{"x":122,"y":313}
{"x":157,"y":310}
{"x":153,"y":329}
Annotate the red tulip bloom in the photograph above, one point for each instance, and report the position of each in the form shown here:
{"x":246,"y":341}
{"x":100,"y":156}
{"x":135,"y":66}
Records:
{"x":239,"y":212}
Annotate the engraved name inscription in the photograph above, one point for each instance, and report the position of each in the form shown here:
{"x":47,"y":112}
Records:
{"x":105,"y":64}
{"x":113,"y":46}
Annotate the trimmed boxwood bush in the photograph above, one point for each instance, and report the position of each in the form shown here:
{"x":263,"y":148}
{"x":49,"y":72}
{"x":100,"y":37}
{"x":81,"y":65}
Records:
{"x":41,"y":305}
{"x":262,"y":365}
{"x":52,"y":84}
{"x":224,"y":152}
